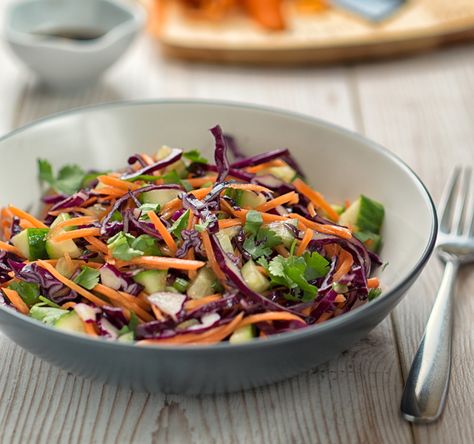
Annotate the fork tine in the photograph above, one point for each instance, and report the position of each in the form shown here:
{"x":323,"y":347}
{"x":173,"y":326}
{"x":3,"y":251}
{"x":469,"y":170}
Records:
{"x":461,"y":201}
{"x":469,"y":228}
{"x":447,"y":200}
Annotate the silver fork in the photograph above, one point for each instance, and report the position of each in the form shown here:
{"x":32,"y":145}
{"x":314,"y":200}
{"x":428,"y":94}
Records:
{"x":425,"y":391}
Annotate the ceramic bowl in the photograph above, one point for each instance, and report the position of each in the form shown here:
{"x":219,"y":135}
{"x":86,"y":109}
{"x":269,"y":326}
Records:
{"x":339,"y":163}
{"x":31,"y":26}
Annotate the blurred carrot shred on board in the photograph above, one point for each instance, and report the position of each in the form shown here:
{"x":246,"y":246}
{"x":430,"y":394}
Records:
{"x":267,"y":13}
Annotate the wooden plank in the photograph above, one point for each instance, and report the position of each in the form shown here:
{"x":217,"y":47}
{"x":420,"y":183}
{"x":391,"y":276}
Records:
{"x":422,"y":110}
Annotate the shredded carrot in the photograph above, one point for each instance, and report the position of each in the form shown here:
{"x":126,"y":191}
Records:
{"x":321,"y":228}
{"x":67,"y":305}
{"x":72,"y":285}
{"x":227,"y":223}
{"x":111,"y":191}
{"x":206,"y":241}
{"x":163,"y":263}
{"x":195,"y":303}
{"x":118,"y":183}
{"x":85,"y":211}
{"x":373,"y":282}
{"x":16,"y":300}
{"x":82,"y":220}
{"x":308,"y":236}
{"x":68,"y":260}
{"x":200,"y":181}
{"x":290,"y":197}
{"x":344,"y":264}
{"x":10,"y":249}
{"x":89,"y":328}
{"x":316,"y":198}
{"x":262,"y":270}
{"x":148,"y":160}
{"x":143,"y":303}
{"x":270,"y":316}
{"x":165,"y":234}
{"x":311,"y":210}
{"x":99,"y":245}
{"x":24,"y":224}
{"x":24,"y":215}
{"x":264,"y":166}
{"x":175,"y":204}
{"x":249,"y":187}
{"x":340,"y":298}
{"x":324,"y":317}
{"x":157,"y":312}
{"x":75,"y":234}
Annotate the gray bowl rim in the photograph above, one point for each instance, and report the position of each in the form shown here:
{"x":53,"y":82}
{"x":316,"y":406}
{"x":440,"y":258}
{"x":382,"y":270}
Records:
{"x":283,"y":338}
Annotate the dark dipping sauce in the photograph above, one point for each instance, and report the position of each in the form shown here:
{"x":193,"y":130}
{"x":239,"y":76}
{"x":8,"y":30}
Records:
{"x":77,"y":34}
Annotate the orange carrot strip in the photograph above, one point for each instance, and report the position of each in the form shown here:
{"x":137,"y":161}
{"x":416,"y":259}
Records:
{"x":339,"y":299}
{"x":200,"y":181}
{"x":148,"y":160}
{"x":89,"y":328}
{"x":101,"y":246}
{"x":67,"y":305}
{"x":206,"y":241}
{"x":82,"y":220}
{"x":163,"y":263}
{"x":195,"y":303}
{"x":308,"y":235}
{"x":323,"y":317}
{"x":316,"y":198}
{"x":345,"y":262}
{"x":269,"y":316}
{"x":190,"y":256}
{"x":157,"y":313}
{"x":263,"y":166}
{"x":111,"y":191}
{"x":311,"y":210}
{"x":282,"y":251}
{"x":267,"y":13}
{"x":143,"y":303}
{"x":328,"y":229}
{"x":16,"y":300}
{"x":249,"y":187}
{"x":26,"y":224}
{"x":290,"y":197}
{"x":169,"y":241}
{"x":85,"y":211}
{"x":373,"y":282}
{"x":72,"y":285}
{"x":10,"y":248}
{"x":118,"y":183}
{"x":175,"y":204}
{"x":227,"y":223}
{"x":75,"y":234}
{"x":24,"y":215}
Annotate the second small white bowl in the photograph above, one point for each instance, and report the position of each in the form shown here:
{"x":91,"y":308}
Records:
{"x":64,"y":62}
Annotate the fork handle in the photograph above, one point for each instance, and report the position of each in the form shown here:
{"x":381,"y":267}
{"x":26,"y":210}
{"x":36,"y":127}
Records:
{"x":425,"y":391}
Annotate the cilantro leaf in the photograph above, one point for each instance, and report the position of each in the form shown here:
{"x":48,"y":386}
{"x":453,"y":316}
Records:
{"x":202,"y":227}
{"x":316,"y":265}
{"x":253,"y":222}
{"x":194,"y":156}
{"x":148,"y":207}
{"x":28,"y":292}
{"x":48,"y":302}
{"x":374,"y":293}
{"x":256,"y":249}
{"x":147,"y":244}
{"x":88,"y":278}
{"x":68,"y":181}
{"x":268,"y":237}
{"x":180,"y":224}
{"x":120,"y":246}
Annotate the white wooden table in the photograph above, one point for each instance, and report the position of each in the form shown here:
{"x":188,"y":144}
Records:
{"x":423,"y":110}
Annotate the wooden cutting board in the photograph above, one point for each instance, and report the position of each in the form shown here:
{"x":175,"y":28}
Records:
{"x":333,"y":36}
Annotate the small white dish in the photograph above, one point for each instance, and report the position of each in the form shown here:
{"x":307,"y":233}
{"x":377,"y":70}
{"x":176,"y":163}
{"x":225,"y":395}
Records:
{"x":70,"y":43}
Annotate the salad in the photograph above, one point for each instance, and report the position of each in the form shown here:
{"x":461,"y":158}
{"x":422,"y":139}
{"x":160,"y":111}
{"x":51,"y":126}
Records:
{"x":173,"y":249}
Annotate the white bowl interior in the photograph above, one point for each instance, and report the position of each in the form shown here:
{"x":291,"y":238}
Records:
{"x":47,"y":15}
{"x":339,"y":164}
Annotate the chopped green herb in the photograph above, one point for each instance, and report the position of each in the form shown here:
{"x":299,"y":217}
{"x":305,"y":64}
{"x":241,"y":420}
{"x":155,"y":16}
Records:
{"x":253,"y":222}
{"x":28,"y":292}
{"x":48,"y":302}
{"x":194,"y":156}
{"x":374,"y":293}
{"x":147,"y":244}
{"x":88,"y":278}
{"x":68,"y":181}
{"x":180,"y":224}
{"x":120,"y":246}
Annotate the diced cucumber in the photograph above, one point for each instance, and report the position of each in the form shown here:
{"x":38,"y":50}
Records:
{"x":364,"y":215}
{"x":243,"y":334}
{"x":225,"y":242}
{"x":285,"y":233}
{"x":153,"y":280}
{"x":250,"y":200}
{"x":371,"y":240}
{"x":70,"y":322}
{"x":127,"y":337}
{"x":160,"y":197}
{"x":253,"y":278}
{"x":284,"y":173}
{"x":57,"y":250}
{"x":203,"y":284}
{"x":31,"y":242}
{"x":178,"y":166}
